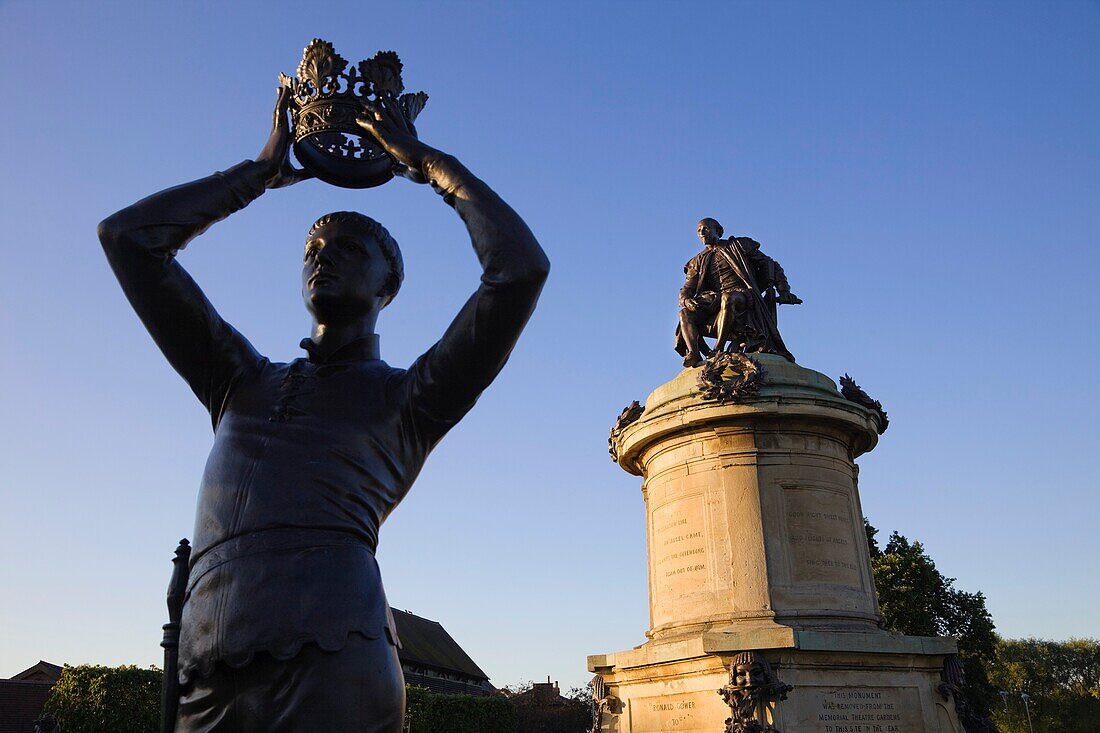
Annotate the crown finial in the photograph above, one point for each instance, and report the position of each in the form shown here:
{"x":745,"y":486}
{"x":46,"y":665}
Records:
{"x":326,"y":97}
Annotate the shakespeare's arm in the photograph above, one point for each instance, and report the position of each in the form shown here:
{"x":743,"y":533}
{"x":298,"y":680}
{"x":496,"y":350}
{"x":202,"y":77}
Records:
{"x":449,"y":377}
{"x":765,"y":265}
{"x":691,"y":276}
{"x":141,"y":242}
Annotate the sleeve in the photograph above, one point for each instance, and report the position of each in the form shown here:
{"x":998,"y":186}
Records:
{"x":691,"y":275}
{"x":444,"y":383}
{"x":141,"y":242}
{"x":766,"y":269}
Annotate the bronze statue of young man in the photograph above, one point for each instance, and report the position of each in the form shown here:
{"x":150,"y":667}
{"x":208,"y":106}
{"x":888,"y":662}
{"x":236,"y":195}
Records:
{"x":723,"y":297}
{"x":286,"y":625}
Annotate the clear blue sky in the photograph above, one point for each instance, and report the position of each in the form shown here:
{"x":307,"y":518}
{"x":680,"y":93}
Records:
{"x":928,"y":174}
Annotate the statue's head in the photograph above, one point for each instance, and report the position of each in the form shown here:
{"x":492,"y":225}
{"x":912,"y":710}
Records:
{"x":953,"y":672}
{"x":748,"y":675}
{"x":352,"y":267}
{"x":749,"y":669}
{"x":710,"y":231}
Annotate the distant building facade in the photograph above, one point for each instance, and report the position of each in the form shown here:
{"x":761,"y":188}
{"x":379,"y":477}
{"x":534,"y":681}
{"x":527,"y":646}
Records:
{"x":22,"y":697}
{"x":543,"y":709}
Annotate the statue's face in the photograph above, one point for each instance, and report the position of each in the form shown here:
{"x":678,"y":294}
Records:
{"x":344,"y":274}
{"x":708,"y":233}
{"x":748,"y":675}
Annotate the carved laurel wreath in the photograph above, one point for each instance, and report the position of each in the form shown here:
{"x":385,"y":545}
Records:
{"x":629,"y":415}
{"x":729,"y":377}
{"x":854,"y":393}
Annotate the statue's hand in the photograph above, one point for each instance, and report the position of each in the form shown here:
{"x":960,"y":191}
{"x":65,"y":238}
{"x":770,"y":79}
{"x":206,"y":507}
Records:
{"x":275,"y":157}
{"x":789,"y":298}
{"x":384,"y":120}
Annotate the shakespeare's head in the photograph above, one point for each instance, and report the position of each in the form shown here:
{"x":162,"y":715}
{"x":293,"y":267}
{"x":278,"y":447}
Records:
{"x":709,"y":230}
{"x":352,"y":267}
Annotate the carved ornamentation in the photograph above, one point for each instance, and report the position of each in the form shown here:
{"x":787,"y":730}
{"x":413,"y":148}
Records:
{"x":327,"y":96}
{"x":952,"y":681}
{"x":729,"y":377}
{"x":629,"y":415}
{"x":752,"y":693}
{"x":854,"y":393}
{"x":603,"y":702}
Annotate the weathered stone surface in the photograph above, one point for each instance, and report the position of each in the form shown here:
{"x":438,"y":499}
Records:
{"x":843,"y":683}
{"x":756,"y":542}
{"x":752,"y":508}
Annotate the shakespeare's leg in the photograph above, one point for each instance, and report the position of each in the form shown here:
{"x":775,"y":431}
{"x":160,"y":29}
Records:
{"x":691,"y":337}
{"x":725,"y":315}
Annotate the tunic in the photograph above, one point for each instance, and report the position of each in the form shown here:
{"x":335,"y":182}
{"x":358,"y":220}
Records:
{"x":310,"y":457}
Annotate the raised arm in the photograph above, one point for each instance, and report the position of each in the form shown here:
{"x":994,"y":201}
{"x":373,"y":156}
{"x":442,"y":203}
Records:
{"x":446,"y":380}
{"x":141,"y":242}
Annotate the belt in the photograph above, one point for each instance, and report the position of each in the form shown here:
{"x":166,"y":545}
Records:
{"x":270,"y":540}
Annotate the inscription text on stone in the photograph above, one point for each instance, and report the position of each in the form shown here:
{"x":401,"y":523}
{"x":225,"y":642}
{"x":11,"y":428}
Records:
{"x":823,"y":546}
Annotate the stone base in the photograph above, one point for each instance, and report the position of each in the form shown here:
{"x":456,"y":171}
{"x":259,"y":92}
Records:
{"x":843,"y":682}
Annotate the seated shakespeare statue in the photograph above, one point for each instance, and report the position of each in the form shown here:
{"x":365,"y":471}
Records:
{"x":286,"y":626}
{"x":727,"y":296}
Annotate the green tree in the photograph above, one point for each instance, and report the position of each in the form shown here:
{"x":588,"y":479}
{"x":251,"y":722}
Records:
{"x":1062,"y":679}
{"x":915,"y":598}
{"x":93,"y":699}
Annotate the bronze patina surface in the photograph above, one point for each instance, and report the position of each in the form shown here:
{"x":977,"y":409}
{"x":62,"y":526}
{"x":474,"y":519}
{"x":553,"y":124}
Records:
{"x":327,"y":97}
{"x":285,"y":624}
{"x":730,"y":293}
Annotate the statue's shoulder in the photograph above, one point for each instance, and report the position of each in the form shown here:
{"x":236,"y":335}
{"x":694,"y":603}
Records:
{"x":747,"y":243}
{"x":693,"y":263}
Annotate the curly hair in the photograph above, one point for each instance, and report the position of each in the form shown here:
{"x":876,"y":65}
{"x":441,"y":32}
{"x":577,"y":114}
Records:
{"x":373,"y":230}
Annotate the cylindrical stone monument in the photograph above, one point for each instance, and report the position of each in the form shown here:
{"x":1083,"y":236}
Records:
{"x":756,"y":546}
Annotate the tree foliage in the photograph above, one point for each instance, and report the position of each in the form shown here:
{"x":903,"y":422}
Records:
{"x":427,"y":712}
{"x":542,"y":709}
{"x":915,"y":598}
{"x":1062,"y":679}
{"x":94,"y":699}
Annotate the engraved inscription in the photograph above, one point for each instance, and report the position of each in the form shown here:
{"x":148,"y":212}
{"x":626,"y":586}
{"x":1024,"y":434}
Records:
{"x":685,"y":712}
{"x":857,"y":710}
{"x":822,"y":541}
{"x":679,"y":545}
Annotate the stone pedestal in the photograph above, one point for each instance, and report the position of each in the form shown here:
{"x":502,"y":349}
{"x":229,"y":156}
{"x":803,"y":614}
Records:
{"x":756,"y":543}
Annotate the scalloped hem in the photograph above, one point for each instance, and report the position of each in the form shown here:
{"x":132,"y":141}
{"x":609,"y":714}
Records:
{"x":282,"y":652}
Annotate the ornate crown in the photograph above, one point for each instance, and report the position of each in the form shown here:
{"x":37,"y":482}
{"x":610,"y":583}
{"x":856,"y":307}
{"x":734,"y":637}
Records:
{"x":327,"y":96}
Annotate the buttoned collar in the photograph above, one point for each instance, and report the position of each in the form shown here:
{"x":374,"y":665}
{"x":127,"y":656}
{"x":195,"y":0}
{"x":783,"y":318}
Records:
{"x":364,"y":349}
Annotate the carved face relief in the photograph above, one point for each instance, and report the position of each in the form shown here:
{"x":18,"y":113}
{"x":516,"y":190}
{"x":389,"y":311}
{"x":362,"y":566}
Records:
{"x":749,"y":675}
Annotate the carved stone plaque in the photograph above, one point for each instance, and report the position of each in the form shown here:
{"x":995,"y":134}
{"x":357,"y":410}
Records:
{"x":679,"y":552}
{"x":854,"y":710}
{"x":685,"y":712}
{"x":821,"y":528}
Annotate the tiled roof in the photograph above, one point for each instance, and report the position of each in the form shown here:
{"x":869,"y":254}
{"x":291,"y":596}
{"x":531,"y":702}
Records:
{"x":428,"y":644}
{"x":43,"y":671}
